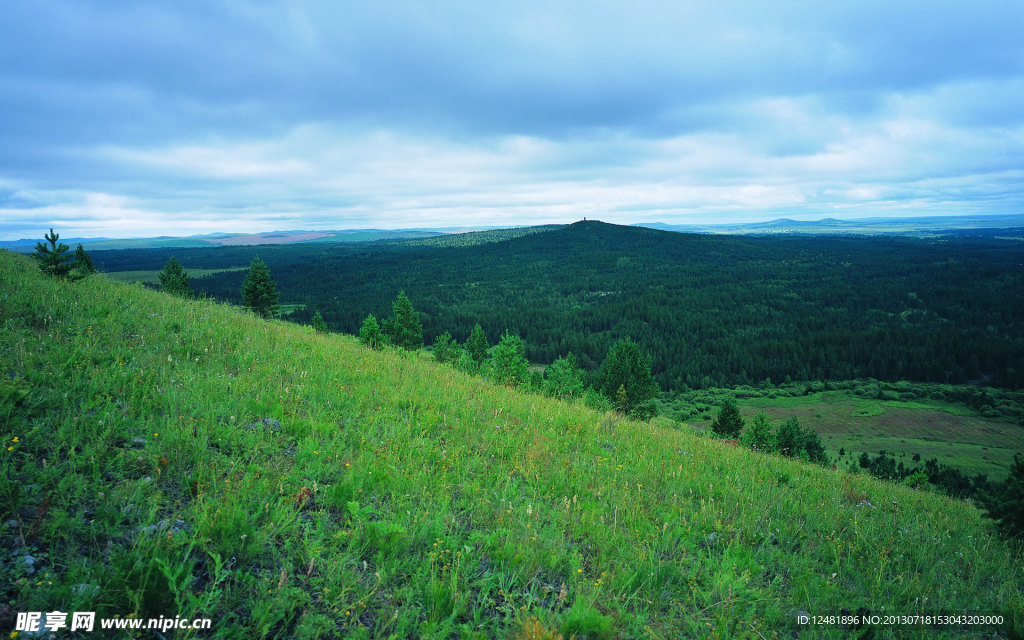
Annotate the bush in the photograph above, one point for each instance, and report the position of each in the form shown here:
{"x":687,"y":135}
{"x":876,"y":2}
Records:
{"x":796,"y":442}
{"x":916,"y":480}
{"x":1006,"y":506}
{"x":564,"y":378}
{"x":760,"y":435}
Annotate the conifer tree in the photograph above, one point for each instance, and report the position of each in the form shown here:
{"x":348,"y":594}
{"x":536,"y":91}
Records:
{"x":1006,"y":507}
{"x":370,"y":334}
{"x":626,"y":368}
{"x":174,"y":279}
{"x":510,"y":364}
{"x":564,"y":378}
{"x":729,"y":422}
{"x":259,"y":292}
{"x":404,"y":327}
{"x":790,"y":438}
{"x":318,"y":323}
{"x":54,"y":259}
{"x":759,"y":435}
{"x":83,"y":261}
{"x":445,"y":349}
{"x":477,"y":345}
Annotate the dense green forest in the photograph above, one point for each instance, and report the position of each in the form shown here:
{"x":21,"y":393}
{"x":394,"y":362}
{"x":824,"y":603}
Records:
{"x":710,"y":310}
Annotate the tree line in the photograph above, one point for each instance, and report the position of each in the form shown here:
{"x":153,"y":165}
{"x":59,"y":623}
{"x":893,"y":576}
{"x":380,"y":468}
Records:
{"x":710,"y":311}
{"x":624,"y":382}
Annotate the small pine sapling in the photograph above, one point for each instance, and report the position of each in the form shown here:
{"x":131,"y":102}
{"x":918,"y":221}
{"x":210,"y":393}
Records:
{"x":259,"y":292}
{"x":54,"y":259}
{"x":175,"y":280}
{"x":318,"y":323}
{"x":83,"y":262}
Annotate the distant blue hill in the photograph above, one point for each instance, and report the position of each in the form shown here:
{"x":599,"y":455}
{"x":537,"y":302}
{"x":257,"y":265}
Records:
{"x":1012,"y":225}
{"x":1004,"y":225}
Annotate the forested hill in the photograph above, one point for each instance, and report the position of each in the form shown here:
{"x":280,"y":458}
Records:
{"x":710,"y":310}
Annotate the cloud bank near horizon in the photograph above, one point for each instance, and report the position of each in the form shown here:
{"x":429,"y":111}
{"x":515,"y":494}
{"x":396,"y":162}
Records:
{"x":142,"y":118}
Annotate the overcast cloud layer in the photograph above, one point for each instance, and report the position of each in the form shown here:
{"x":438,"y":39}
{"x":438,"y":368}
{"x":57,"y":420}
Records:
{"x":139,"y":119}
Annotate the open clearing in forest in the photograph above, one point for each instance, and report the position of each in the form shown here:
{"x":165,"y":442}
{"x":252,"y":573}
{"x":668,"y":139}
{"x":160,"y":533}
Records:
{"x":956,"y":435}
{"x":152,"y":276}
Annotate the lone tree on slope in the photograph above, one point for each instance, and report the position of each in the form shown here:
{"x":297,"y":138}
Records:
{"x":477,"y":345}
{"x":510,"y":364}
{"x":627,"y":381}
{"x":53,"y":260}
{"x":174,"y":279}
{"x":259,"y":292}
{"x":370,"y":334}
{"x":83,"y":261}
{"x":404,"y":327}
{"x":729,"y":422}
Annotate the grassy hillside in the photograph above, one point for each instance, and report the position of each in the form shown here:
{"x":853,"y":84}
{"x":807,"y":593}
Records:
{"x":187,"y":459}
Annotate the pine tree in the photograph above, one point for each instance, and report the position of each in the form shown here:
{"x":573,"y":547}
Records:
{"x":259,"y":292}
{"x":510,"y":365}
{"x":54,"y":259}
{"x":404,"y":327}
{"x":477,"y":345}
{"x":564,"y":378}
{"x":370,"y":334}
{"x":759,"y":435}
{"x":626,"y":367}
{"x":174,"y":279}
{"x":318,"y":323}
{"x":83,"y":261}
{"x":1006,"y":507}
{"x":445,"y":349}
{"x":729,"y":422}
{"x":790,"y":438}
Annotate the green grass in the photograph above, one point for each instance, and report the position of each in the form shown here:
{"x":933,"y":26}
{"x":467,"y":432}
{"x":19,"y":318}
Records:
{"x":956,"y":435}
{"x":402,"y":499}
{"x":153,"y":276}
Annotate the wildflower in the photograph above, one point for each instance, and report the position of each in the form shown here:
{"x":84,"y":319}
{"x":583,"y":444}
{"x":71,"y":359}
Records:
{"x":14,"y":439}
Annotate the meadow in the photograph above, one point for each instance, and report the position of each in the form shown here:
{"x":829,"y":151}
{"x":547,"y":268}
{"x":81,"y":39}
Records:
{"x":955,"y":433}
{"x":152,"y":276}
{"x":170,"y":457}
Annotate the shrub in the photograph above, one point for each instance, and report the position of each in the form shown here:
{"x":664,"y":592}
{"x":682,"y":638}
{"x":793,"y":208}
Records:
{"x":759,"y":435}
{"x":1006,"y":506}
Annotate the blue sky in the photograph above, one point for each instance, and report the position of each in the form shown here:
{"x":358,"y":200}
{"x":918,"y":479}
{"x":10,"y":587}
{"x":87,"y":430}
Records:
{"x":172,"y":118}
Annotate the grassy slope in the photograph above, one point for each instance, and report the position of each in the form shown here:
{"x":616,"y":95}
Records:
{"x":405,"y":500}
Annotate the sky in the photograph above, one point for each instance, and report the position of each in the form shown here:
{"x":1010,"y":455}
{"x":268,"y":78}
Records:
{"x":137,"y":118}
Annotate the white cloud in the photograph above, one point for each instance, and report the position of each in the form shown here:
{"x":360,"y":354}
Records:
{"x":195,"y":116}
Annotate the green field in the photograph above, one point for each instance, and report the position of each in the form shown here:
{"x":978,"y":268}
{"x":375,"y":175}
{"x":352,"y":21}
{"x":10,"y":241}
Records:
{"x":152,"y":276}
{"x":954,"y":434}
{"x":184,"y":458}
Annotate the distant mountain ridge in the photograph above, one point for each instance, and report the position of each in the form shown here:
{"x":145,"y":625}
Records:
{"x":931,"y":225}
